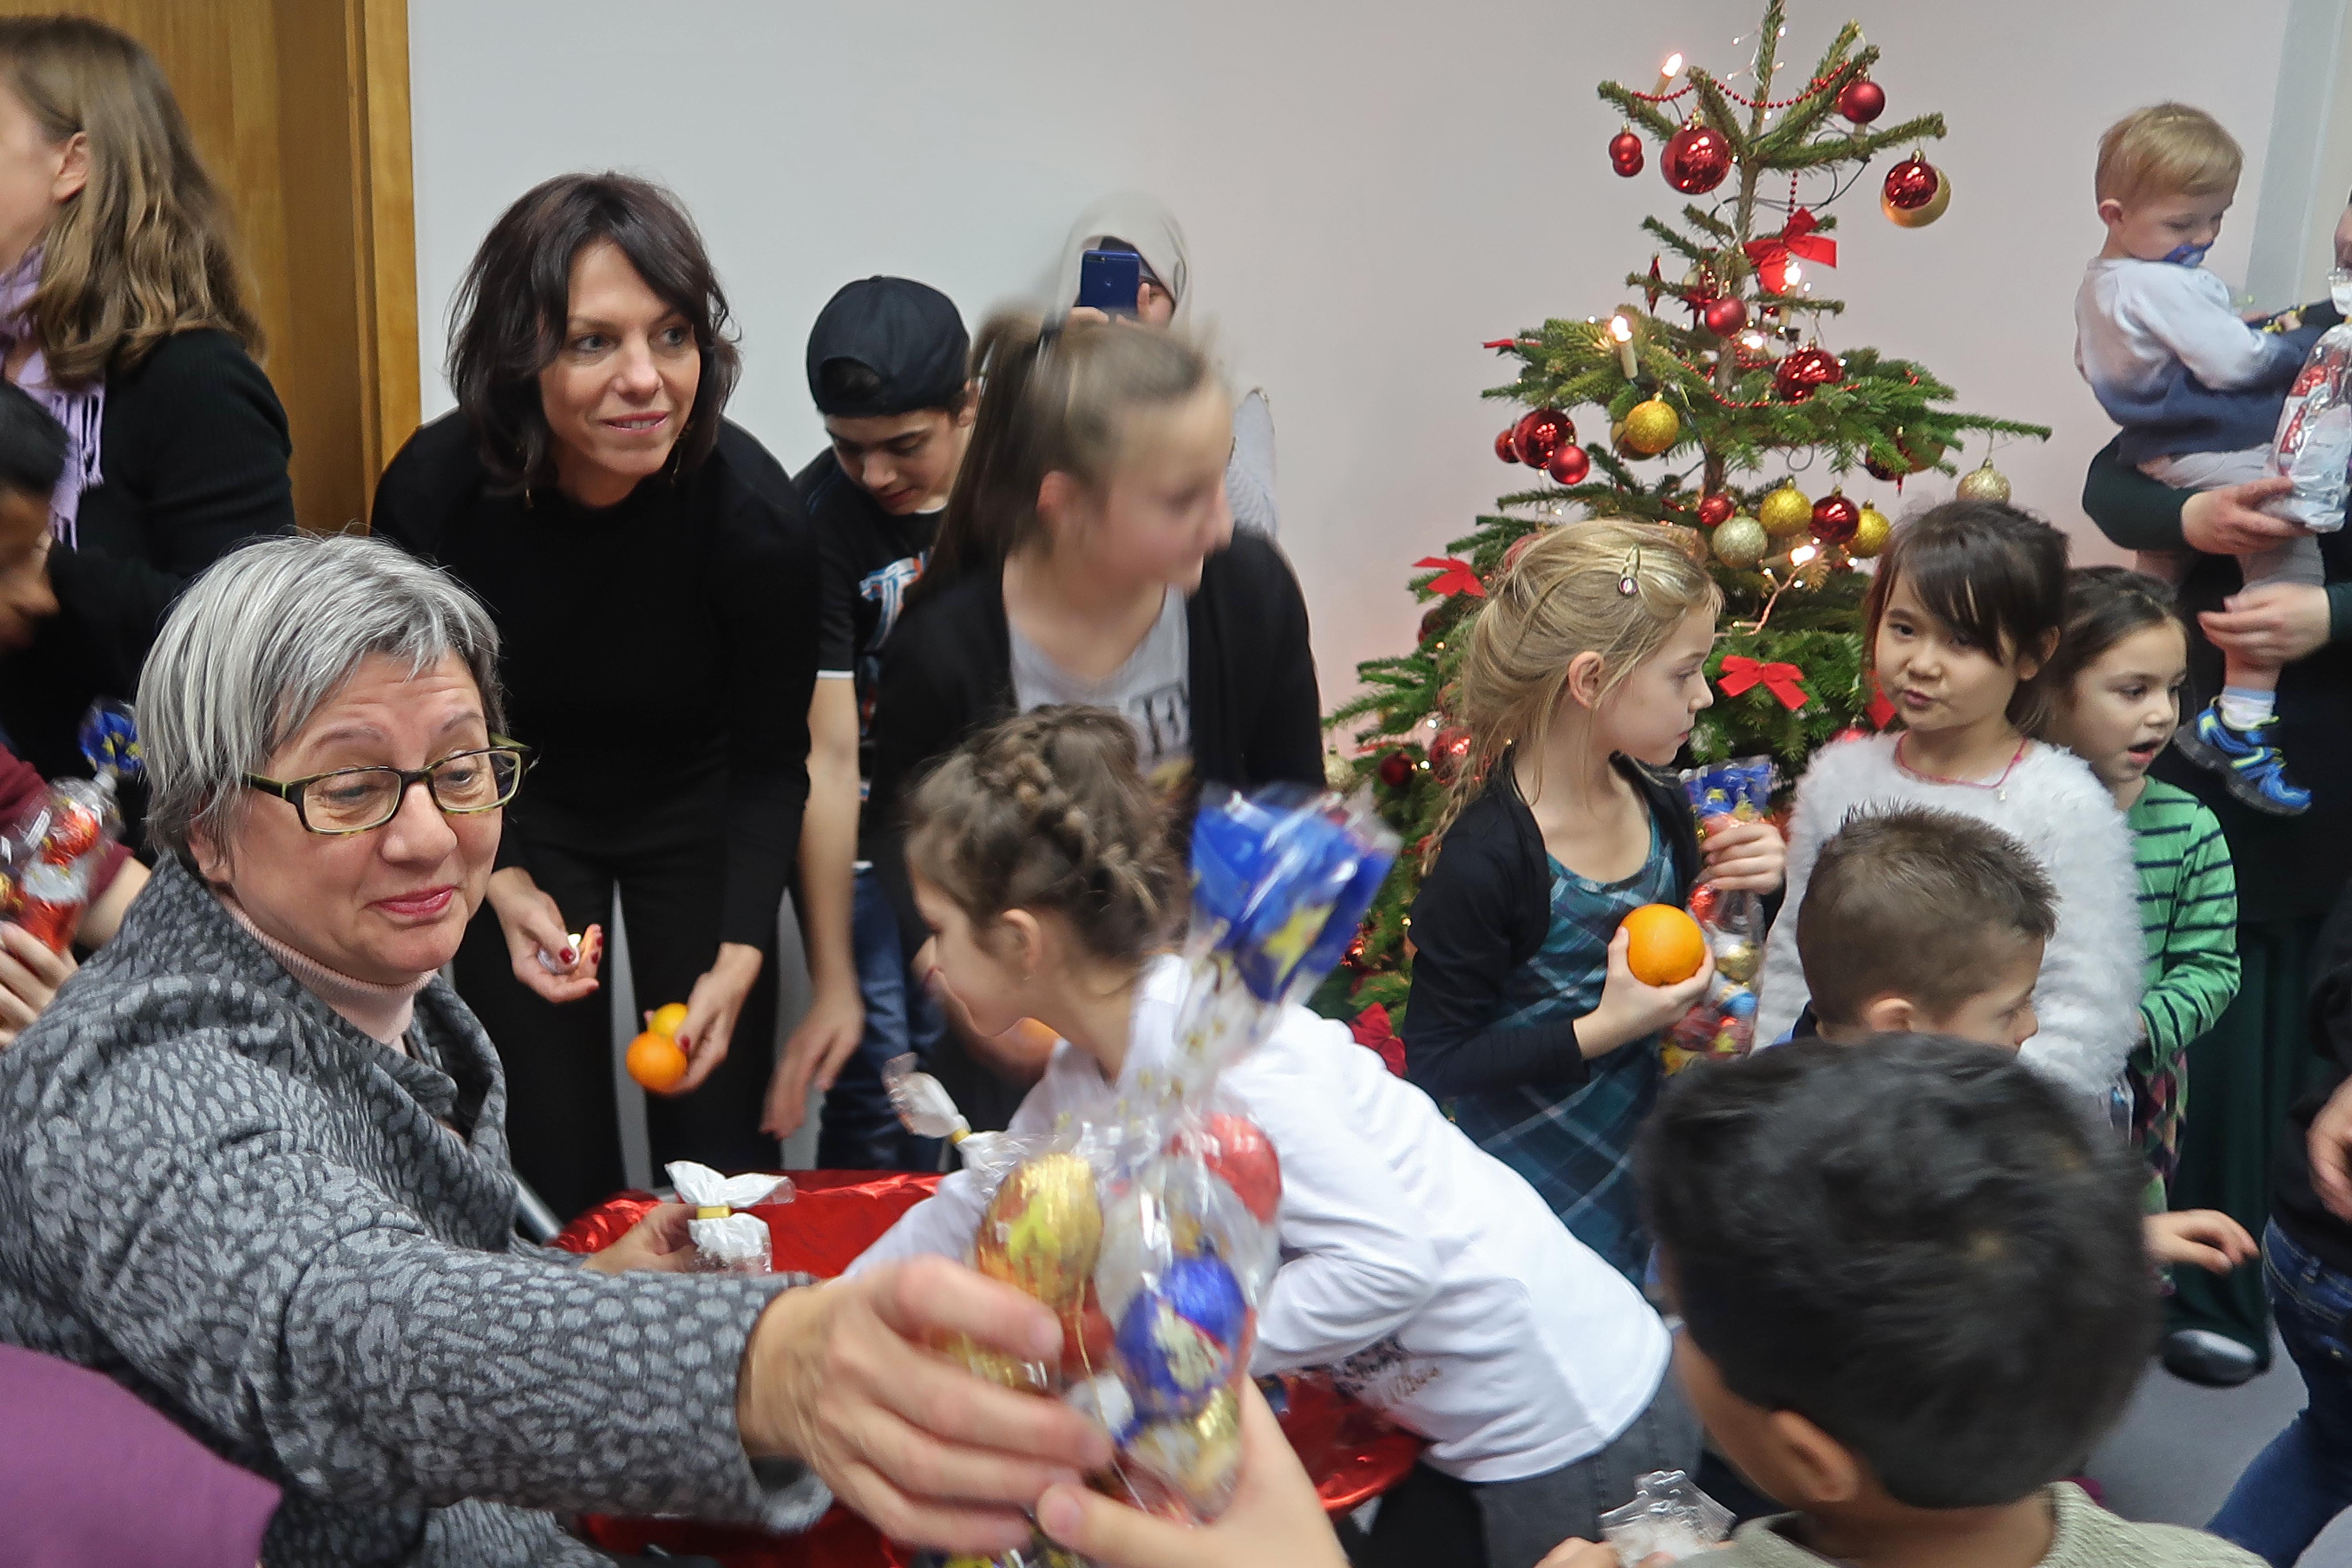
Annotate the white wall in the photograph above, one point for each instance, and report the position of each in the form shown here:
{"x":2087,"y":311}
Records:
{"x":1371,"y":191}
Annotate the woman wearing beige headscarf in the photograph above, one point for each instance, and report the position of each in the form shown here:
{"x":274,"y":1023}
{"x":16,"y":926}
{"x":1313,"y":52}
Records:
{"x":1130,"y":220}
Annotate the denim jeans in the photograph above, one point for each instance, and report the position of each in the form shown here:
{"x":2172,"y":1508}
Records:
{"x":2303,"y":1480}
{"x":859,"y":1132}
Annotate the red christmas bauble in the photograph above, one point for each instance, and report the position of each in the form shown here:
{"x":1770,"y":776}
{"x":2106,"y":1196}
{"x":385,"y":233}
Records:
{"x":1439,"y":616}
{"x":1537,"y":433}
{"x":1851,"y":733}
{"x":1714,"y":509}
{"x":1724,"y":317}
{"x":1241,"y":1154}
{"x":1801,"y":374}
{"x":1396,"y":769}
{"x":1697,"y":159}
{"x":1503,"y":445}
{"x":1862,"y":100}
{"x":1520,"y":545}
{"x":1911,"y":185}
{"x":1835,"y":516}
{"x":1625,"y":153}
{"x":1568,"y":463}
{"x":1447,"y":752}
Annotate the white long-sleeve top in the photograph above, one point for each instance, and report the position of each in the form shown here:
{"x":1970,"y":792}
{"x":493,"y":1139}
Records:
{"x":2087,"y":998}
{"x":1426,"y":1273}
{"x":2171,"y":362}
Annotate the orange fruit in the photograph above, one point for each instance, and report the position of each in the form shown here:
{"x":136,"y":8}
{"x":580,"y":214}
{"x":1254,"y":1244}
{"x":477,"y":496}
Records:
{"x":1667,"y":946}
{"x":655,"y":1061}
{"x":667,"y":1021}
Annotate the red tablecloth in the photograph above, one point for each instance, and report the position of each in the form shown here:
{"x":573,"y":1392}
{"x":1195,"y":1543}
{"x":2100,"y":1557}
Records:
{"x":1351,"y":1452}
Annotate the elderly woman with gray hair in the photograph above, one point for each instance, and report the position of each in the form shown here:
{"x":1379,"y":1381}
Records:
{"x":255,"y":1166}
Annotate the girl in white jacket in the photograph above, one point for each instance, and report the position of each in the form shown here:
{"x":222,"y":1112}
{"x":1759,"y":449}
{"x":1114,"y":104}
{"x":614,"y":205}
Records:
{"x":1429,"y":1278}
{"x":1964,"y":613}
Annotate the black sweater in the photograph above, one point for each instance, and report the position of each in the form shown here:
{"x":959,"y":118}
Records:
{"x":645,"y":647}
{"x":947,"y":672}
{"x":193,"y":451}
{"x":2288,"y":867}
{"x":2294,"y":1205}
{"x":1483,"y":910}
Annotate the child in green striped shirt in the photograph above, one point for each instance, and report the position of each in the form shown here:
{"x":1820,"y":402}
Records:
{"x":2117,"y":681}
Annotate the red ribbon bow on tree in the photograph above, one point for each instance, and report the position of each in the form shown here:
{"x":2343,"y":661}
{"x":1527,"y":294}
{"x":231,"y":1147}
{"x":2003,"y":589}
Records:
{"x":1798,"y":239}
{"x":1741,"y":672}
{"x":1453,"y":576}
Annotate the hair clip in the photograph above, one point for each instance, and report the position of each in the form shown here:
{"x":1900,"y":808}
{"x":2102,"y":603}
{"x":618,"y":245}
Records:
{"x":1627,"y":584}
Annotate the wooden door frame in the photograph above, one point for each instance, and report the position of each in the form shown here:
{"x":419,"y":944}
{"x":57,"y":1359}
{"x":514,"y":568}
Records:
{"x":383,"y":221}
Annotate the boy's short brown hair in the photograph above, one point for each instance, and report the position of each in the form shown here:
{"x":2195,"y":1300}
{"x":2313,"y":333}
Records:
{"x":1915,"y":903}
{"x":2167,"y":150}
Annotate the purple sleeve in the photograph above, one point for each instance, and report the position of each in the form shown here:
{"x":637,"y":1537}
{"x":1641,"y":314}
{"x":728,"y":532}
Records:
{"x":102,"y":1477}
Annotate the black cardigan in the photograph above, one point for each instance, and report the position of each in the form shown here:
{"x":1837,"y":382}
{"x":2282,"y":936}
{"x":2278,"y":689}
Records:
{"x":2289,"y":868}
{"x":947,"y":672}
{"x":193,"y":450}
{"x":2294,"y":1205}
{"x":646,"y":647}
{"x":1483,"y":910}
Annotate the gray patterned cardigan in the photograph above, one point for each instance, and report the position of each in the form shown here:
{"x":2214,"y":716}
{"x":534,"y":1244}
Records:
{"x":216,"y":1191}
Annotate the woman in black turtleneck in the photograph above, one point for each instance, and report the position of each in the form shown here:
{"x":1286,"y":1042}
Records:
{"x":652,"y":577}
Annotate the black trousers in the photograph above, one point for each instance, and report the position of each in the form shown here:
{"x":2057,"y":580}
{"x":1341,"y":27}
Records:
{"x":668,"y":859}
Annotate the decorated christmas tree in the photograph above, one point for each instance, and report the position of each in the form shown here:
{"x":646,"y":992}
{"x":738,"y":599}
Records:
{"x":1692,"y":400}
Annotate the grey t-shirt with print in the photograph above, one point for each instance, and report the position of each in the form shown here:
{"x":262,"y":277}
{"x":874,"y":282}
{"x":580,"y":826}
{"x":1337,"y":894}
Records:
{"x":1153,"y":690}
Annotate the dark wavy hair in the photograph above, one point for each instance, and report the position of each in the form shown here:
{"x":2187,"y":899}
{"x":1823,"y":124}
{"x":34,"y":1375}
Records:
{"x":506,"y":324}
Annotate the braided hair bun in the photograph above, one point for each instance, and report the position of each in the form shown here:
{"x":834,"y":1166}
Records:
{"x":1049,"y":812}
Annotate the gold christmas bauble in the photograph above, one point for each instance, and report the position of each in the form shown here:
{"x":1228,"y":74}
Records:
{"x":1985,"y":483}
{"x":1651,"y":427}
{"x":1785,"y":511}
{"x":1740,"y":543}
{"x":1869,"y":534}
{"x":1921,"y":216}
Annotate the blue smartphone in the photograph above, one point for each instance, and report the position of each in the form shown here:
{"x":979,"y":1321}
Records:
{"x":1109,"y":280}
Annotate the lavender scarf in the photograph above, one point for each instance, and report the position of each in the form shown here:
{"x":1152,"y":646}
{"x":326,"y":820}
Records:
{"x":79,"y":409}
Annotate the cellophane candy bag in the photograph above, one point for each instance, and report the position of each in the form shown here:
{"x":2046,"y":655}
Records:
{"x":53,"y":852}
{"x":2313,"y":444}
{"x":1149,"y":1222}
{"x":1669,"y":1516}
{"x":726,"y":1241}
{"x":1722,"y":1025}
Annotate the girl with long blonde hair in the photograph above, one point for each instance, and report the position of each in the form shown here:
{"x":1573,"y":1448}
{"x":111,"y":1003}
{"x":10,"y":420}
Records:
{"x":123,"y":311}
{"x":1583,"y":673}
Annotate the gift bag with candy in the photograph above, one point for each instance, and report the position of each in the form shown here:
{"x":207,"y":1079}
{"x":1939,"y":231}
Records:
{"x":726,"y":1239}
{"x":1722,"y":1025}
{"x":1149,"y":1222}
{"x":50,"y":857}
{"x":2313,"y":444}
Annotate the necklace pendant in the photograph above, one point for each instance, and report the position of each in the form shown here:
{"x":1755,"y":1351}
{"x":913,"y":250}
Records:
{"x":2000,"y":795}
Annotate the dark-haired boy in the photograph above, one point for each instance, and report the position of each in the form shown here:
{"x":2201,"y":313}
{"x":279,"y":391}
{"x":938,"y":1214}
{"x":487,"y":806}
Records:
{"x":1931,"y":921}
{"x":1913,"y":1296}
{"x":887,"y":369}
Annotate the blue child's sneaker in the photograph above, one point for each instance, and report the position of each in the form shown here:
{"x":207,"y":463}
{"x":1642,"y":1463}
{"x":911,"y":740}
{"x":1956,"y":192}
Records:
{"x":2249,"y":764}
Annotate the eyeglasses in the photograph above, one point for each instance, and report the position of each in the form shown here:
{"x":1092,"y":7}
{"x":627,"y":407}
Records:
{"x":360,"y":800}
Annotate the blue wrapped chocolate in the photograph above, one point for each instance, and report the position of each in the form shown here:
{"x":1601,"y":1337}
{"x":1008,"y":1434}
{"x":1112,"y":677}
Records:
{"x":109,"y":741}
{"x":1182,"y":1337}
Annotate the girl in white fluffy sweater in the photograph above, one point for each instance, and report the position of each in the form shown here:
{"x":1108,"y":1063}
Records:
{"x":1964,"y":613}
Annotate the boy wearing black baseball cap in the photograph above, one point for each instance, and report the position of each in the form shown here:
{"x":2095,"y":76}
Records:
{"x":887,"y":367}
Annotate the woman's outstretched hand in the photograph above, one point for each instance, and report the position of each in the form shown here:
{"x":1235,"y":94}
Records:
{"x":842,"y":1376}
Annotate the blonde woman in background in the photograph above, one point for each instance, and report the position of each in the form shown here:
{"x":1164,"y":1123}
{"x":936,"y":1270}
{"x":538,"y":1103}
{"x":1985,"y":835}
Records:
{"x":123,"y":311}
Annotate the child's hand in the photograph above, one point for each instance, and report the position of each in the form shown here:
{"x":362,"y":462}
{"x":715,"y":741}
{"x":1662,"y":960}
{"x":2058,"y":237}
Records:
{"x":2208,"y":1238}
{"x":1631,"y":1011}
{"x":1275,"y":1522}
{"x":29,"y":977}
{"x":660,"y":1241}
{"x":1743,"y":857}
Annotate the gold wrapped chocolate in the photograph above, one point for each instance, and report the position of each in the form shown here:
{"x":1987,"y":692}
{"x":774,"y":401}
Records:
{"x":1004,"y":1370}
{"x":1042,"y":1231}
{"x":1198,"y":1456}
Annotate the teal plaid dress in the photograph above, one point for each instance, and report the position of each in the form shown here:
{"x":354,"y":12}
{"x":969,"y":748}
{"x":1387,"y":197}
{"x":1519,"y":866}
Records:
{"x":1575,"y":1144}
